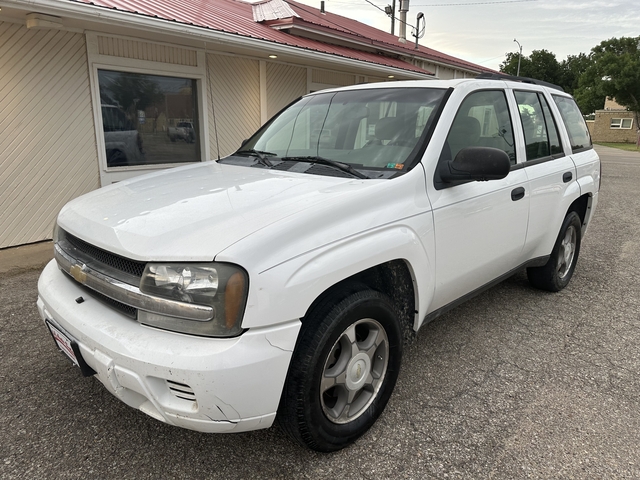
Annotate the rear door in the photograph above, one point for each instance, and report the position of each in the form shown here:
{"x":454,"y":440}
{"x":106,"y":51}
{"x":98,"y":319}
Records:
{"x":549,"y":168}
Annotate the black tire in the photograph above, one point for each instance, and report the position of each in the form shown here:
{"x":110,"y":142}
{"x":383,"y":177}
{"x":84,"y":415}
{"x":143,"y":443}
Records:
{"x":318,"y":420}
{"x":557,"y":272}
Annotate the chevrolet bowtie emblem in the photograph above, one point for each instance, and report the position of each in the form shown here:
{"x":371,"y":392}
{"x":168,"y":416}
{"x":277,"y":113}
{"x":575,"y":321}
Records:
{"x":78,"y":273}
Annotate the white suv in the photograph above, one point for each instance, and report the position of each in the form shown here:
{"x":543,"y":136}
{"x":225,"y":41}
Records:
{"x":281,"y":281}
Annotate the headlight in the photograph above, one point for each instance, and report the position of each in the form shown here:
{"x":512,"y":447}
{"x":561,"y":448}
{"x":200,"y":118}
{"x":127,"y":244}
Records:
{"x":222,"y":286}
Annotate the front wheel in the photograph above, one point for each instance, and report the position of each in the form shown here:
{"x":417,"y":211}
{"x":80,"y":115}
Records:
{"x":557,"y":272}
{"x":343,"y":370}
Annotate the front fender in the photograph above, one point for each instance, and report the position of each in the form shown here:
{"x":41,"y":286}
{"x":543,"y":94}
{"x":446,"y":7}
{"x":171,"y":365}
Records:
{"x":286,"y":291}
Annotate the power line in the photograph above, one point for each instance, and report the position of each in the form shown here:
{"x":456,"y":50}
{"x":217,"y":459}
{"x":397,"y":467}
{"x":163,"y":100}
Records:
{"x":394,"y":17}
{"x":471,"y":3}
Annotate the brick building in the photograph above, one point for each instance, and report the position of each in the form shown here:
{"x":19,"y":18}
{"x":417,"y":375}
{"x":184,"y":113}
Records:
{"x":614,"y":123}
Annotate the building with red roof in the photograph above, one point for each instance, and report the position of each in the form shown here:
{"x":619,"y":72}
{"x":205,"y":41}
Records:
{"x":96,"y":91}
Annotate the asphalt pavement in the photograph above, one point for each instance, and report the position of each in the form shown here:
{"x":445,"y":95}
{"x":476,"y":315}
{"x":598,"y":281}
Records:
{"x":516,"y":383}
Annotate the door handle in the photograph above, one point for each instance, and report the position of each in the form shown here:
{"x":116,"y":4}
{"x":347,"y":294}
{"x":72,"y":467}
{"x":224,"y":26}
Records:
{"x":566,"y":178}
{"x":517,"y":193}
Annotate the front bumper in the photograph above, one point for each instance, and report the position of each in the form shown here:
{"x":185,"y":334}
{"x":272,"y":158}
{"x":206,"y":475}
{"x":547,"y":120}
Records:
{"x":203,"y":384}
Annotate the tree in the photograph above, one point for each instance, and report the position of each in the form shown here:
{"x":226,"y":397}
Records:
{"x":510,"y":64}
{"x":541,"y":65}
{"x":131,"y":92}
{"x":571,"y":70}
{"x":614,"y":72}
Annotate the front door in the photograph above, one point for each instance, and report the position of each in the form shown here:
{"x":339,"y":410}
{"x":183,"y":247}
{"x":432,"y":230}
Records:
{"x":480,"y":227}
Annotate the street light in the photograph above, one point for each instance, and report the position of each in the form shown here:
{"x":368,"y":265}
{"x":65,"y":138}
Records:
{"x":519,"y":57}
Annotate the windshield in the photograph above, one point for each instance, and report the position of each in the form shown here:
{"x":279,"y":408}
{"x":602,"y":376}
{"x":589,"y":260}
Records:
{"x":373,"y":128}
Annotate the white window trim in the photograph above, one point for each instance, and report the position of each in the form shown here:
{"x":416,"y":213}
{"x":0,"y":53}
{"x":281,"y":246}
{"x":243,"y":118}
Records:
{"x":620,"y":123}
{"x":107,"y":62}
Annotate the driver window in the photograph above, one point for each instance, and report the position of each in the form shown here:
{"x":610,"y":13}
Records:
{"x":483,"y":120}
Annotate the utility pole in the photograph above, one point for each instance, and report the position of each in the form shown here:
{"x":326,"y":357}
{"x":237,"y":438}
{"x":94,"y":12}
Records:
{"x":390,"y":10}
{"x":519,"y":56}
{"x":393,"y":17}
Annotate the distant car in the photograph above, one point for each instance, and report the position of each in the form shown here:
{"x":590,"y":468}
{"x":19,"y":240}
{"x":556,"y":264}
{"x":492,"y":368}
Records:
{"x":122,"y":141}
{"x":280,"y":281}
{"x":182,"y":131}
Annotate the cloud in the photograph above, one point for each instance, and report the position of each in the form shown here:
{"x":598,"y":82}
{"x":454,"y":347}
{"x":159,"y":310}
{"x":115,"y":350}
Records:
{"x":480,"y":33}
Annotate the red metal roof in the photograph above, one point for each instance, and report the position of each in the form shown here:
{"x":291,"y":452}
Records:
{"x":236,"y":17}
{"x":374,"y":36}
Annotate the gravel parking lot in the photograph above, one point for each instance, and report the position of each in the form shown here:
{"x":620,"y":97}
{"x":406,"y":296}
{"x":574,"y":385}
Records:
{"x":516,"y":383}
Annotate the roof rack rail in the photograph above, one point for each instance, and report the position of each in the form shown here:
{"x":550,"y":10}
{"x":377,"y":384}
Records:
{"x":513,"y":78}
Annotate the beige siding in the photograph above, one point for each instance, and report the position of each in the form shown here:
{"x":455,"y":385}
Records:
{"x":332,"y":78}
{"x":285,"y":83}
{"x":235,"y":87}
{"x":445,"y":73}
{"x":47,"y":142}
{"x":127,"y":48}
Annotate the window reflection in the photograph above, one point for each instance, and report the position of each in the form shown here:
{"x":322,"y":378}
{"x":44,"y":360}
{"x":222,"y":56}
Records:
{"x":483,"y":120}
{"x":148,"y":119}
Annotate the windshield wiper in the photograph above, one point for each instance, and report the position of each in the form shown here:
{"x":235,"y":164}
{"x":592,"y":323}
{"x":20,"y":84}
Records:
{"x":258,"y":153}
{"x":332,"y":163}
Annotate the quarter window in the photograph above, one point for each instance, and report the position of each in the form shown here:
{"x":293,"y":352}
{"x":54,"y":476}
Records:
{"x":483,"y":120}
{"x":539,"y":127}
{"x":574,"y":122}
{"x":148,"y":119}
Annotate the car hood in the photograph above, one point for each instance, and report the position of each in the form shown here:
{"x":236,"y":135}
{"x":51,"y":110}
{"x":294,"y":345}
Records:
{"x":192,"y":213}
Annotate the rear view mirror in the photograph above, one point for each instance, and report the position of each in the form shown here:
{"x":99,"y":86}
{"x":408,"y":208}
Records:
{"x":476,"y":163}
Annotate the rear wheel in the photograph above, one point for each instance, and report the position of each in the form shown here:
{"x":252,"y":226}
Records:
{"x":343,"y":370}
{"x":557,"y":272}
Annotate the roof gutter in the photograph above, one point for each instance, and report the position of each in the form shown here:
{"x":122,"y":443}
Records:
{"x":88,"y":12}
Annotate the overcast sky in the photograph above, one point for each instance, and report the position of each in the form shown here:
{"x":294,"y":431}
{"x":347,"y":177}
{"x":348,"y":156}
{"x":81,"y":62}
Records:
{"x":482,"y":31}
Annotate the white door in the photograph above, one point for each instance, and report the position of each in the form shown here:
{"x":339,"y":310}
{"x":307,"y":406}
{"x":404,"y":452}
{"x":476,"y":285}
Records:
{"x":480,"y":227}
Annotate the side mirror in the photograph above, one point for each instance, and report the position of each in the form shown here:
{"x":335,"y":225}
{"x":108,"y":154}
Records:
{"x":244,"y":142}
{"x":476,"y":163}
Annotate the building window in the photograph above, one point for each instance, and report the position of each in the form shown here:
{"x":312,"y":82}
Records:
{"x":148,"y":119}
{"x":624,"y":123}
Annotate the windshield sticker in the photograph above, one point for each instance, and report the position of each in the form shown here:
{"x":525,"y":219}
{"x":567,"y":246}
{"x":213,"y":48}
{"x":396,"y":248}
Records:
{"x":397,"y":166}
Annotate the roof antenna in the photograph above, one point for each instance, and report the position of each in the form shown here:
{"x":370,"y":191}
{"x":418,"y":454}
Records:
{"x":417,"y":31}
{"x":213,"y":110}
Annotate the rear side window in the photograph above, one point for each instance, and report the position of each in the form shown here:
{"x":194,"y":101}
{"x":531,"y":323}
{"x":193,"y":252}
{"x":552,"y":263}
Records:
{"x":482,"y":121}
{"x":573,"y":120}
{"x":539,"y":128}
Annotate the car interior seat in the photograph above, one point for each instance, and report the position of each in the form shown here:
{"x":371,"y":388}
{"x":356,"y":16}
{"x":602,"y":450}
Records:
{"x":465,"y":132}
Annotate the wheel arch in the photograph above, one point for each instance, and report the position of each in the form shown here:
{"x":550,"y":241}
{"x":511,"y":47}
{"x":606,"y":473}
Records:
{"x":582,"y":206}
{"x":393,"y":278}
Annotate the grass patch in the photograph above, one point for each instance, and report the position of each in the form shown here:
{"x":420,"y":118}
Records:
{"x":629,"y":147}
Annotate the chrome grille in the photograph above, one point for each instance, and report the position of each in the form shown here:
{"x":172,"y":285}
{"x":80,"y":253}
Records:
{"x":104,"y":280}
{"x":130,"y":312}
{"x":116,"y":262}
